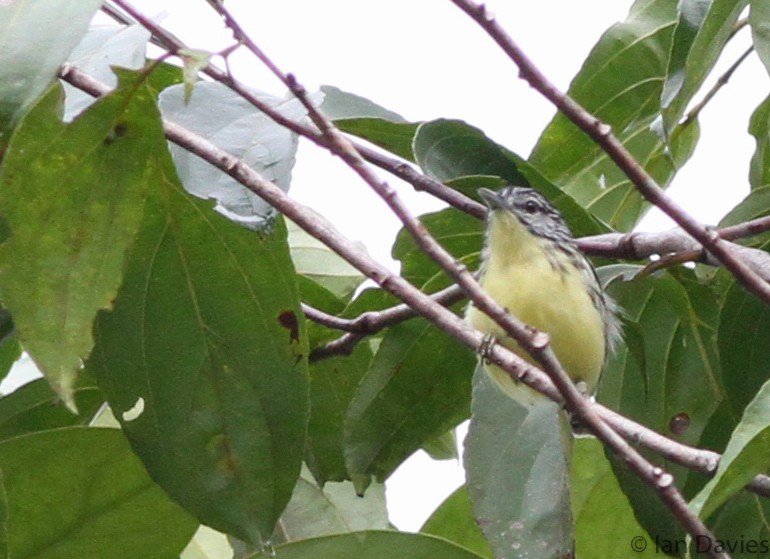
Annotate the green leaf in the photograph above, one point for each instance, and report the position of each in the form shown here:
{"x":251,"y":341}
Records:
{"x":35,"y":407}
{"x":451,"y":149}
{"x":34,"y":44}
{"x":453,"y":520}
{"x":338,"y":104}
{"x":73,"y":198}
{"x":620,"y":83}
{"x":517,"y":464}
{"x":745,"y":456}
{"x":744,"y":324}
{"x":10,"y":350}
{"x":759,"y":127}
{"x":667,"y":369}
{"x":604,"y":520}
{"x":459,"y":233}
{"x":443,"y":447}
{"x":756,"y":204}
{"x":371,"y":545}
{"x":4,"y":552}
{"x":204,"y":360}
{"x":702,"y":30}
{"x":333,"y":382}
{"x":363,"y":118}
{"x":395,"y":137}
{"x":240,"y":129}
{"x":759,"y":19}
{"x":744,"y":522}
{"x":81,"y":492}
{"x":318,"y":262}
{"x":416,"y":388}
{"x":334,"y":509}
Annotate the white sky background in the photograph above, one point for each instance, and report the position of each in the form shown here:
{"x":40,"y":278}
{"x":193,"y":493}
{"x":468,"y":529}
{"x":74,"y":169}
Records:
{"x":426,"y":60}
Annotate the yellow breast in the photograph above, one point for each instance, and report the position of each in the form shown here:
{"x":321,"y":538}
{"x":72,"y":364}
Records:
{"x":546,"y":292}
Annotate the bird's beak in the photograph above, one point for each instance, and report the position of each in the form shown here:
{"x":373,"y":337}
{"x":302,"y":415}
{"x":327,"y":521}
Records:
{"x":492,"y":199}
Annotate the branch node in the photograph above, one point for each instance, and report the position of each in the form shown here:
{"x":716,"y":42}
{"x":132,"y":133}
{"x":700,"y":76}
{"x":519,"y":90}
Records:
{"x":540,"y":340}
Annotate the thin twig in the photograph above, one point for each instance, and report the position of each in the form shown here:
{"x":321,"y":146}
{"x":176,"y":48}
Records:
{"x":369,"y":323}
{"x":720,"y":83}
{"x":422,"y":183}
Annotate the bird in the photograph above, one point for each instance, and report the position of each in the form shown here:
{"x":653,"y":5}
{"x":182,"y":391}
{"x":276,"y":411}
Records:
{"x":531,"y":266}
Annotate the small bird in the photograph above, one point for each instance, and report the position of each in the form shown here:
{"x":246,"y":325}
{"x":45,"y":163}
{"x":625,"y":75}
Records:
{"x":531,"y":266}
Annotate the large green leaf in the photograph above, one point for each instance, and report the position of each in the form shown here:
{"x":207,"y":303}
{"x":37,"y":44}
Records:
{"x":333,"y":382}
{"x":669,"y":365}
{"x":35,"y":407}
{"x":668,"y":369}
{"x":702,"y":30}
{"x":459,"y":233}
{"x":604,"y":520}
{"x":744,"y":524}
{"x":363,"y":118}
{"x":3,"y":521}
{"x":81,"y":492}
{"x":318,"y":262}
{"x":759,"y":18}
{"x":72,"y":196}
{"x":371,"y":545}
{"x":417,"y":387}
{"x":745,"y":456}
{"x":204,"y":360}
{"x":451,"y":149}
{"x":34,"y":42}
{"x":755,"y":205}
{"x":759,"y":127}
{"x":620,"y":83}
{"x":744,"y":325}
{"x":10,"y":350}
{"x":517,"y":464}
{"x":453,"y":520}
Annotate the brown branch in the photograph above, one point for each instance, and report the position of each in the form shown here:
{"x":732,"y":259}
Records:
{"x":371,"y":322}
{"x":721,"y":82}
{"x":698,"y":460}
{"x":422,"y":183}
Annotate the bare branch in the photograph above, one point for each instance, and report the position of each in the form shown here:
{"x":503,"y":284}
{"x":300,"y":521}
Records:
{"x":721,"y":82}
{"x":371,"y":322}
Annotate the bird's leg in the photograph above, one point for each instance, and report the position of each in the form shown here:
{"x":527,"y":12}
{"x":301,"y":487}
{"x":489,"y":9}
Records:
{"x":486,"y":346}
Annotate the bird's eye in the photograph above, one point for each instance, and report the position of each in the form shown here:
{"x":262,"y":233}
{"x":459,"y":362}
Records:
{"x":531,"y":207}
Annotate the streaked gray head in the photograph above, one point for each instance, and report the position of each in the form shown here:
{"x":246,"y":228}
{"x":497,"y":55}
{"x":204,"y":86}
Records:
{"x":531,"y":208}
